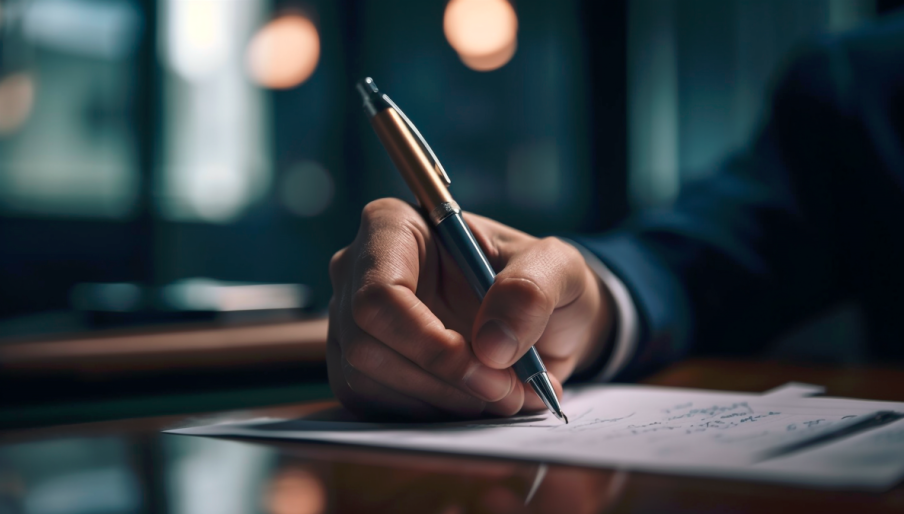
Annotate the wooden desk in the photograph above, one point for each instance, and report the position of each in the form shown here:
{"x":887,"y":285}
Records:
{"x":195,"y":347}
{"x":154,"y":370}
{"x":128,"y":464}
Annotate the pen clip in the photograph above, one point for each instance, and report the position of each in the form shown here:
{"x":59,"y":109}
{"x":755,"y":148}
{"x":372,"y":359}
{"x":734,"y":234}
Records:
{"x":437,"y":167}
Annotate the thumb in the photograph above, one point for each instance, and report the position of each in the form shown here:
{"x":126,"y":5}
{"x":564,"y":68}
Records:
{"x":538,"y":278}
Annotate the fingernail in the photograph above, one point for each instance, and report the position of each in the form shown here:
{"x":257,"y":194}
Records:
{"x":488,"y":383}
{"x":496,"y":342}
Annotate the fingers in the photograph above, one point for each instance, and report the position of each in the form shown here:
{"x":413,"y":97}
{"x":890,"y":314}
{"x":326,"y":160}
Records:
{"x":367,"y":358}
{"x":369,"y":399}
{"x":408,"y":391}
{"x":391,"y":345}
{"x":390,"y":348}
{"x":385,"y":307}
{"x":372,"y":379}
{"x":511,"y":404}
{"x":536,"y":281}
{"x":394,"y":316}
{"x":391,"y":245}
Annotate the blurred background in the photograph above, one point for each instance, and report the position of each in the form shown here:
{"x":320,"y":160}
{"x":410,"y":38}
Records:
{"x":177,"y":158}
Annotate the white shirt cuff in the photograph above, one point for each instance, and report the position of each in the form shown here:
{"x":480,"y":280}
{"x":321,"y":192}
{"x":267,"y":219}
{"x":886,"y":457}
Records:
{"x":627,"y":329}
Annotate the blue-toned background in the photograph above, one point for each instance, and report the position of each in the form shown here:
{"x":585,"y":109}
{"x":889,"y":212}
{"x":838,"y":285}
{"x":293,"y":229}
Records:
{"x":147,"y":143}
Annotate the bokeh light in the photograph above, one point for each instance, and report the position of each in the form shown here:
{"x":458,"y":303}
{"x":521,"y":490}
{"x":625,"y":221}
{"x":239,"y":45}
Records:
{"x":483,"y":32}
{"x":295,"y":490}
{"x":17,"y":93}
{"x":489,"y":62}
{"x":306,"y":189}
{"x":284,"y":53}
{"x":199,"y":43}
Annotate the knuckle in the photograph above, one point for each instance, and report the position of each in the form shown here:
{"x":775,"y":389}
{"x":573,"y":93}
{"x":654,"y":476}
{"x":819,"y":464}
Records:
{"x":569,"y":270}
{"x":337,"y":326}
{"x":369,"y":303}
{"x":523,"y":304}
{"x":355,"y":382}
{"x":336,"y":262}
{"x":568,"y":252}
{"x":528,"y":293}
{"x":332,"y":319}
{"x":559,"y":253}
{"x":442,"y":357}
{"x":362,"y":355}
{"x":376,"y":208}
{"x":340,"y":381}
{"x":372,"y":210}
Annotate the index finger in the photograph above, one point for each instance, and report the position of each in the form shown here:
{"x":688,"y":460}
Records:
{"x":385,"y":305}
{"x":392,"y":245}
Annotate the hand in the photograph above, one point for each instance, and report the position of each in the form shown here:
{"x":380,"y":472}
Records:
{"x":408,"y":337}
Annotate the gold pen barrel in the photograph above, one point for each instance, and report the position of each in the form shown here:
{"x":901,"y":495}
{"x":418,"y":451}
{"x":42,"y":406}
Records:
{"x":410,"y":159}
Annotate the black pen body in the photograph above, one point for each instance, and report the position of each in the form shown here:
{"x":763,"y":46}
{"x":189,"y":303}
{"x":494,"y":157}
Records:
{"x":459,"y":241}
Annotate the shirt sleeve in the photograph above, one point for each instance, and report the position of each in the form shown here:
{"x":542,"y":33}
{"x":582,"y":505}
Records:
{"x":627,"y":327}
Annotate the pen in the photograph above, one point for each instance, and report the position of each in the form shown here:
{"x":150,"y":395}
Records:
{"x":429,"y":182}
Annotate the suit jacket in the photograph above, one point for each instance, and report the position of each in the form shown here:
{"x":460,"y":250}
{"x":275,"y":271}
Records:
{"x":812,"y":212}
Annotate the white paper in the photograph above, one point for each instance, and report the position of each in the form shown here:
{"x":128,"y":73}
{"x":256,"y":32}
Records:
{"x":654,"y":429}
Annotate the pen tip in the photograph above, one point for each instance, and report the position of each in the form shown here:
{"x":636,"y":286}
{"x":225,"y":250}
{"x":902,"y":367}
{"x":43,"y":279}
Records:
{"x":565,"y":417}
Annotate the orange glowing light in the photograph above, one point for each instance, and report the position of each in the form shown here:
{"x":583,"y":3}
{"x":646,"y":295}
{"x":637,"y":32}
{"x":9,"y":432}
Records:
{"x":295,"y":490}
{"x":490,"y":62}
{"x":17,"y":93}
{"x":284,"y":53}
{"x":483,"y":32}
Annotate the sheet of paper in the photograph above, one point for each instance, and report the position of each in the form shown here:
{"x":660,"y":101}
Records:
{"x":653,"y":429}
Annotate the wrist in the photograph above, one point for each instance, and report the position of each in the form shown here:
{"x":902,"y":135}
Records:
{"x":601,"y":327}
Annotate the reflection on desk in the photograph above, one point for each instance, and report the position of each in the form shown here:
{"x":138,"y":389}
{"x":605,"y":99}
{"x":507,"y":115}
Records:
{"x":110,"y":474}
{"x":128,"y":466}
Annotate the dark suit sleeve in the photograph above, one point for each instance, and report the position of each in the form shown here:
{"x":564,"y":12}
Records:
{"x":744,"y":254}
